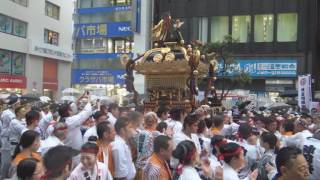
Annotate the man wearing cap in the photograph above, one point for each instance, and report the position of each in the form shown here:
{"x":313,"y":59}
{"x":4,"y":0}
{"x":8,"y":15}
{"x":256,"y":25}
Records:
{"x":58,"y":162}
{"x":6,"y":118}
{"x":59,"y":134}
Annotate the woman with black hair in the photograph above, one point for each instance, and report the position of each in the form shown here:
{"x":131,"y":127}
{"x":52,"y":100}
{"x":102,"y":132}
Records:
{"x":27,"y":148}
{"x":90,"y":168}
{"x":186,"y":153}
{"x":269,"y":142}
{"x":30,"y":169}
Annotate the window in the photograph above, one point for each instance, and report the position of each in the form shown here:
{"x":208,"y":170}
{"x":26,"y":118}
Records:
{"x":12,"y":62}
{"x":263,"y":28}
{"x":118,"y":16}
{"x":104,"y":45}
{"x":18,"y":63}
{"x":21,"y":2}
{"x":219,"y":28}
{"x":5,"y":62}
{"x":123,"y":2}
{"x":98,"y":64}
{"x":52,"y":10}
{"x":122,"y":46}
{"x":5,"y":24}
{"x":287,"y":27}
{"x":19,"y":28}
{"x":13,"y":26}
{"x":241,"y":28}
{"x":51,"y":37}
{"x":199,"y":29}
{"x":103,"y":3}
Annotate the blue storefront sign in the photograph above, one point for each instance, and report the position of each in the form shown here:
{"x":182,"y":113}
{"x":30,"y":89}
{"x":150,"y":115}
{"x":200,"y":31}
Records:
{"x":92,"y":76}
{"x":96,"y":30}
{"x":262,"y":68}
{"x":103,"y":9}
{"x":102,"y":56}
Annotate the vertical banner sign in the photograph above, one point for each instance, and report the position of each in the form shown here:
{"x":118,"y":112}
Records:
{"x":304,"y":91}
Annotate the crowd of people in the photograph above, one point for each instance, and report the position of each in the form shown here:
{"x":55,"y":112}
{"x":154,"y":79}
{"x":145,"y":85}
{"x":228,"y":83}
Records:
{"x":104,"y":141}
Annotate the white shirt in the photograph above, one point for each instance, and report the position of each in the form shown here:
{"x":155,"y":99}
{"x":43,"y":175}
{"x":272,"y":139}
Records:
{"x":206,"y":142}
{"x":50,"y":142}
{"x":74,"y":137}
{"x":100,"y":170}
{"x":111,"y":118}
{"x":15,"y":130}
{"x":44,"y":124}
{"x":122,"y":158}
{"x":230,"y":129}
{"x":6,"y":117}
{"x":298,"y":139}
{"x":176,"y":126}
{"x":311,"y":151}
{"x":90,"y":132}
{"x":189,"y":173}
{"x":178,"y":137}
{"x":214,"y":163}
{"x":229,"y":173}
{"x":251,"y":157}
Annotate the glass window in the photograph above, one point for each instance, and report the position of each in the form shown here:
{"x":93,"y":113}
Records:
{"x":85,"y":3}
{"x":19,"y":28}
{"x":5,"y":62}
{"x":287,"y":27}
{"x":102,"y":3}
{"x":219,"y":28}
{"x":123,"y":2}
{"x":21,"y":2}
{"x":51,"y":37}
{"x":52,"y":10}
{"x":199,"y":29}
{"x":99,"y":64}
{"x":263,"y":28}
{"x":5,"y":24}
{"x":122,"y":46}
{"x":98,"y":45}
{"x":241,"y":28}
{"x":118,"y":16}
{"x":18,"y":63}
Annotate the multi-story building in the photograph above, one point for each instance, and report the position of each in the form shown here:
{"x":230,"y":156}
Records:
{"x":35,"y":46}
{"x":277,"y":39}
{"x":102,"y":36}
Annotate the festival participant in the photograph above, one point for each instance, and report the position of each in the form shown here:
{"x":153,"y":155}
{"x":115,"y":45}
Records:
{"x":27,"y":148}
{"x":288,"y":128}
{"x":311,"y":151}
{"x":301,"y":134}
{"x":269,"y":142}
{"x":252,"y":155}
{"x":272,"y":126}
{"x":29,"y":169}
{"x":17,"y":125}
{"x":190,"y":127}
{"x":203,"y":139}
{"x":58,"y":162}
{"x":291,"y":164}
{"x":233,"y":161}
{"x":144,"y":141}
{"x":6,"y":117}
{"x":157,"y":167}
{"x":136,"y":124}
{"x":74,"y":122}
{"x":218,"y":124}
{"x":90,"y":167}
{"x":98,"y":117}
{"x":106,"y":135}
{"x":59,"y":134}
{"x":114,"y":113}
{"x":175,"y":122}
{"x":215,"y":156}
{"x":186,"y":153}
{"x":162,"y":113}
{"x":32,"y":120}
{"x":46,"y":118}
{"x":121,"y":154}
